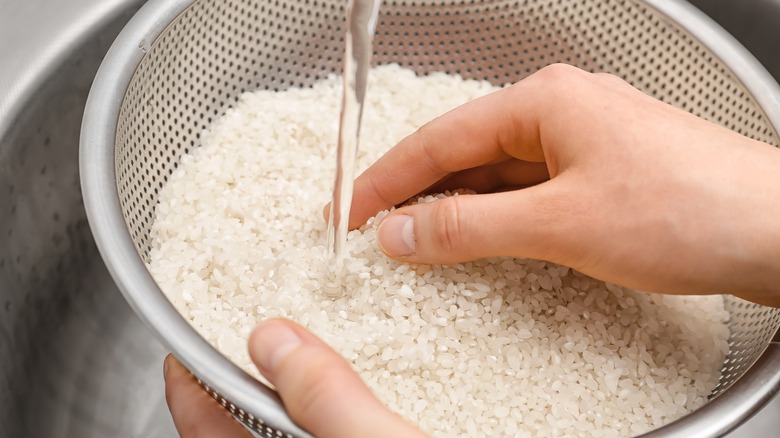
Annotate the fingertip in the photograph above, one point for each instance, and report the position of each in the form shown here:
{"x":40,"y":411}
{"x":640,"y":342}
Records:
{"x":461,"y":228}
{"x":173,"y":369}
{"x":195,"y":413}
{"x":317,"y":385}
{"x":177,"y":379}
{"x":326,"y":212}
{"x":396,"y":236}
{"x":271,"y":342}
{"x":166,"y":364}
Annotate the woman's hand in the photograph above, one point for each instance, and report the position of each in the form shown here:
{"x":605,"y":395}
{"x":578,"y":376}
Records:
{"x":611,"y":182}
{"x":319,"y":390}
{"x":575,"y":168}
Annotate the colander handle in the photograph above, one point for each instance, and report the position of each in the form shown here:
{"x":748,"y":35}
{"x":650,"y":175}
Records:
{"x":735,"y":405}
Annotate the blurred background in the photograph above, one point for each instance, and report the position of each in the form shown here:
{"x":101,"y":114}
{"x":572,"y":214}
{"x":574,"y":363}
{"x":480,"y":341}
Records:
{"x":74,"y":359}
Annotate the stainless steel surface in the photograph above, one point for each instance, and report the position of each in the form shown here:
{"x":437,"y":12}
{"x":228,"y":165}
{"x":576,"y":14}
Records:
{"x":74,"y":359}
{"x":709,"y":420}
{"x":38,"y":35}
{"x":98,"y":178}
{"x":753,"y":22}
{"x":180,"y":63}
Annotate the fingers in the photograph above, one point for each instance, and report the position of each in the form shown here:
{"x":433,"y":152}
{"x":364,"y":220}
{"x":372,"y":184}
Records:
{"x":195,"y":413}
{"x":509,"y":123}
{"x":319,"y":389}
{"x":480,"y":132}
{"x":495,"y":177}
{"x":524,"y":223}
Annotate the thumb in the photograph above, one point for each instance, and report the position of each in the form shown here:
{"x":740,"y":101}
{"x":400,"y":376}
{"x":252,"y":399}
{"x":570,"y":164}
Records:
{"x":319,"y":389}
{"x":468,"y":227}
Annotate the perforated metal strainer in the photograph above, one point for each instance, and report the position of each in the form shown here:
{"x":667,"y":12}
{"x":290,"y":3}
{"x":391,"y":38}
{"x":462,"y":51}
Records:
{"x":180,"y":63}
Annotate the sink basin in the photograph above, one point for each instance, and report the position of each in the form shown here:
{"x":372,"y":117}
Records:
{"x":74,"y":359}
{"x":753,"y":22}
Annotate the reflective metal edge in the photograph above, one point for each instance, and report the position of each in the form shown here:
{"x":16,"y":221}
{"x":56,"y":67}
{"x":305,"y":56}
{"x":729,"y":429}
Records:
{"x":102,"y":203}
{"x":734,"y":406}
{"x":756,"y":79}
{"x":762,"y":382}
{"x":96,"y":165}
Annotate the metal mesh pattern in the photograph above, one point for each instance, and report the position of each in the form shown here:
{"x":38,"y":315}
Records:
{"x":218,"y":49}
{"x":247,"y":419}
{"x":752,"y":327}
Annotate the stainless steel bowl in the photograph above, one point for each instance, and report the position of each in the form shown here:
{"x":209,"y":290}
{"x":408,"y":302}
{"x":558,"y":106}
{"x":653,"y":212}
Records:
{"x":180,"y":63}
{"x":74,"y":359}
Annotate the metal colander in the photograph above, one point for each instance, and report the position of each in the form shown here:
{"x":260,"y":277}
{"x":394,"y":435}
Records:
{"x":180,"y":63}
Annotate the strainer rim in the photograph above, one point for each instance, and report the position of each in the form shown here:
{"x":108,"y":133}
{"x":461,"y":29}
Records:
{"x":751,"y":73}
{"x":102,"y":204}
{"x":97,"y":173}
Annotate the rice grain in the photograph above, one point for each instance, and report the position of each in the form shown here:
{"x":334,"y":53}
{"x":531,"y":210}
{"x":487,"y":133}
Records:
{"x":494,"y":347}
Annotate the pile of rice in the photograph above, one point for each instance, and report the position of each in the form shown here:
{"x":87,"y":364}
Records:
{"x":497,"y":347}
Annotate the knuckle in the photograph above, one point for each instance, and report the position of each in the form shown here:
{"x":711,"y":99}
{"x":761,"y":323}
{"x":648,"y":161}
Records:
{"x":423,"y":136}
{"x":380,"y":191}
{"x":559,"y":80}
{"x":448,"y":231}
{"x":557,"y":74}
{"x":314,"y":389}
{"x":309,"y":399}
{"x":611,"y":79}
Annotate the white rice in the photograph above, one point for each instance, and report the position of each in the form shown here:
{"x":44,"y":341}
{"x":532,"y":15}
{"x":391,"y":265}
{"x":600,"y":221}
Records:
{"x":497,"y":347}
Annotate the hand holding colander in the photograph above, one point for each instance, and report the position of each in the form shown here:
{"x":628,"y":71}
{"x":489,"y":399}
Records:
{"x":180,"y":63}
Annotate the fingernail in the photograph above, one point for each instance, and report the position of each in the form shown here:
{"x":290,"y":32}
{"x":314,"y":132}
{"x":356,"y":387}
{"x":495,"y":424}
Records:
{"x":165,"y":365}
{"x":396,"y":235}
{"x":275,"y":340}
